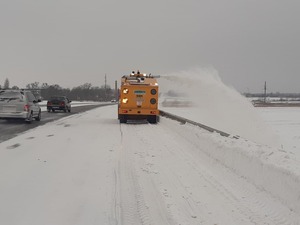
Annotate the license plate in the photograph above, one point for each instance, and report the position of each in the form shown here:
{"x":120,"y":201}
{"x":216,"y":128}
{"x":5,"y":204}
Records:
{"x":139,"y":92}
{"x":9,"y":108}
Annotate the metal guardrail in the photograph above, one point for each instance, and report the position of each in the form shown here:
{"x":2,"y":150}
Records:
{"x":184,"y":120}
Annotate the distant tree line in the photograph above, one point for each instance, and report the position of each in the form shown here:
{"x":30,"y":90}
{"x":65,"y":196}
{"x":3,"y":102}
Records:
{"x":85,"y":92}
{"x":272,"y":95}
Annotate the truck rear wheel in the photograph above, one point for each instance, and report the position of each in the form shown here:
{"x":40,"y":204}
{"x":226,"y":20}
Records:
{"x":123,"y":119}
{"x":152,"y":119}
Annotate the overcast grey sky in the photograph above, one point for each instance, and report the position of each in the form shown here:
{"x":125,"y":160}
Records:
{"x":71,"y":42}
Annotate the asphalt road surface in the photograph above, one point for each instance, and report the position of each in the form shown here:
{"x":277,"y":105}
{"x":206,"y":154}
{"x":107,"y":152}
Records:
{"x":11,"y":128}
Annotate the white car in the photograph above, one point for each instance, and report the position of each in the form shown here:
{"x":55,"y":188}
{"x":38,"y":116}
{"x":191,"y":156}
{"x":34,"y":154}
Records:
{"x":19,"y":104}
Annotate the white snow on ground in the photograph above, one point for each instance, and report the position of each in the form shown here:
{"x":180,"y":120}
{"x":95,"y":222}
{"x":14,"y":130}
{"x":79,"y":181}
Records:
{"x":88,"y":169}
{"x":285,"y":121}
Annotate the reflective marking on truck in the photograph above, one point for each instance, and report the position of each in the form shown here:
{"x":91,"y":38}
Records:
{"x":139,"y":92}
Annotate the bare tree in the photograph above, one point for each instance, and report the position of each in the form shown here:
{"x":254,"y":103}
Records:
{"x":6,"y":84}
{"x":33,"y":86}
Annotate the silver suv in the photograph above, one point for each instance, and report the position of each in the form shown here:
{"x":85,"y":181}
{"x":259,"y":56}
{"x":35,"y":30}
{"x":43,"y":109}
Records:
{"x":19,"y":104}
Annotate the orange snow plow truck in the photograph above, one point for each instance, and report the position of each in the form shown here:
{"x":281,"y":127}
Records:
{"x":138,"y":98}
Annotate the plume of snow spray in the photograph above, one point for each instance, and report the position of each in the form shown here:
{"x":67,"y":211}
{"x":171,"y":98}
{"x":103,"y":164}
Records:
{"x":216,"y":105}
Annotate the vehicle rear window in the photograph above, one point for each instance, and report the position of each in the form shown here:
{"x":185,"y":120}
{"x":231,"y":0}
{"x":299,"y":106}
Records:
{"x":11,"y":95}
{"x":57,"y":98}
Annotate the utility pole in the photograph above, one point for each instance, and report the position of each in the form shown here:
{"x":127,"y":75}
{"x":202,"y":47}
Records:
{"x":265,"y":92}
{"x":105,"y":97}
{"x":116,"y":90}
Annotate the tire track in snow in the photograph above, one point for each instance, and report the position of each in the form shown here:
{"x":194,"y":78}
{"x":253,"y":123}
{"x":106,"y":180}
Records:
{"x":153,"y":197}
{"x":132,"y":205}
{"x":165,"y":186}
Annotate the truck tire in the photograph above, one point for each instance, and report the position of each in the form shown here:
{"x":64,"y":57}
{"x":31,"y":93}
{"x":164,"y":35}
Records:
{"x":122,"y":119}
{"x":152,"y":119}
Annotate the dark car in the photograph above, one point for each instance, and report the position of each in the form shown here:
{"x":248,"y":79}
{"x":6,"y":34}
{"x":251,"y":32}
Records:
{"x":19,"y":104}
{"x":59,"y":103}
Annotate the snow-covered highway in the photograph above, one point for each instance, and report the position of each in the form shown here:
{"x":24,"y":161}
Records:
{"x":89,"y":169}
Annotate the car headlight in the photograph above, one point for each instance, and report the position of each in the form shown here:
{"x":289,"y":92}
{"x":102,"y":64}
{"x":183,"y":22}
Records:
{"x":125,"y":100}
{"x":125,"y":90}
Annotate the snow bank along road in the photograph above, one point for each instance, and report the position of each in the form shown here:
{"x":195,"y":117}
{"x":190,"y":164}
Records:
{"x":89,"y":169}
